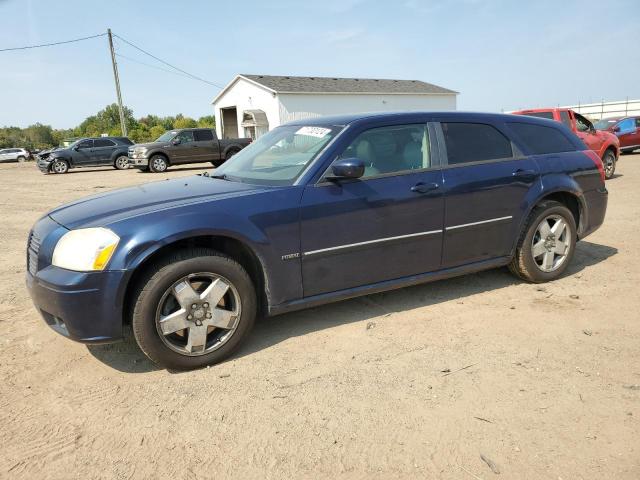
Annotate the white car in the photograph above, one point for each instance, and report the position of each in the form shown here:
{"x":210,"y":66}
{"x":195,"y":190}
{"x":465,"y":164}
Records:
{"x":14,"y":155}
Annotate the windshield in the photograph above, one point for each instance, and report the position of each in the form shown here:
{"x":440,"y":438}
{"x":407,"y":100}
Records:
{"x":606,"y":123}
{"x":278,"y":157}
{"x":166,"y":136}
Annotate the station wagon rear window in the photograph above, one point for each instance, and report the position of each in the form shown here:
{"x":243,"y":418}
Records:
{"x":542,"y":140}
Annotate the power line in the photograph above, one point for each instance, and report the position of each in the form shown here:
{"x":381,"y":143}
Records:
{"x":52,"y":44}
{"x":166,"y":63}
{"x":151,"y":66}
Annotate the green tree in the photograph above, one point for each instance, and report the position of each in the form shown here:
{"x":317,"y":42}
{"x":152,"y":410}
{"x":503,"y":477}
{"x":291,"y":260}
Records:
{"x":184,"y":122}
{"x":156,"y":131}
{"x":208,"y":121}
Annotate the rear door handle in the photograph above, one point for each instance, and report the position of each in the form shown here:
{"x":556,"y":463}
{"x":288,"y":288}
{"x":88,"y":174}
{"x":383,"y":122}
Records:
{"x":424,"y":187}
{"x":525,"y":174}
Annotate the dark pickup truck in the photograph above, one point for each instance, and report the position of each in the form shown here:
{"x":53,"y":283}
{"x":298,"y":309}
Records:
{"x":189,"y":145}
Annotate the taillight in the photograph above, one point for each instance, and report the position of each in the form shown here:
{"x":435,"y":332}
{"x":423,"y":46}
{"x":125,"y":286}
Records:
{"x":597,"y":160}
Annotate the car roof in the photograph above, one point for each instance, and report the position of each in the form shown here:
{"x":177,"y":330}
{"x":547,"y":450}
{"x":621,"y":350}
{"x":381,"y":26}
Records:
{"x":414,"y":116}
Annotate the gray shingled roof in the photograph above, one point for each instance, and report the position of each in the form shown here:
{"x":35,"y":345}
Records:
{"x":344,"y":85}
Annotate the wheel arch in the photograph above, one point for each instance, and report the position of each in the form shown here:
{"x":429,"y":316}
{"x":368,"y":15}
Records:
{"x":570,"y":198}
{"x":233,"y":147}
{"x":237,"y":249}
{"x":162,"y":153}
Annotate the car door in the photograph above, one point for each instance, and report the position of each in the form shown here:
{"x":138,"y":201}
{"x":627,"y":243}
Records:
{"x":4,"y":155}
{"x":485,"y":183}
{"x":626,"y":132}
{"x":206,"y":148}
{"x":82,"y":153}
{"x":587,"y":133}
{"x":102,"y":150}
{"x":185,"y":150}
{"x":383,"y":226}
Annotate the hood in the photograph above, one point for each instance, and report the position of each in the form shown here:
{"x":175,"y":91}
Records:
{"x":110,"y":207}
{"x":150,"y":145}
{"x":605,"y":135}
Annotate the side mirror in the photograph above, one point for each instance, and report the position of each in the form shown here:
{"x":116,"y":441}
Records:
{"x":175,"y":141}
{"x":346,"y":168}
{"x":616,"y":129}
{"x":76,"y":148}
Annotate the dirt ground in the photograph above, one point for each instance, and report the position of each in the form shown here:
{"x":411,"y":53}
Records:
{"x":543,"y":380}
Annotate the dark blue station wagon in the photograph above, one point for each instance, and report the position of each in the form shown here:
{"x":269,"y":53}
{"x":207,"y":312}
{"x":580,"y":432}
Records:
{"x":313,"y":212}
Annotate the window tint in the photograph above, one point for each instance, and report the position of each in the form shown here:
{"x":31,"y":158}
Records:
{"x":186,"y":136}
{"x":540,"y":139}
{"x":547,"y":115}
{"x":391,"y":149}
{"x":564,"y":117}
{"x":103,"y":142}
{"x":85,"y":144}
{"x":474,"y":142}
{"x":203,"y":135}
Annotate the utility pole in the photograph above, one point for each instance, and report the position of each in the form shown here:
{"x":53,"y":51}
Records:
{"x":123,"y":125}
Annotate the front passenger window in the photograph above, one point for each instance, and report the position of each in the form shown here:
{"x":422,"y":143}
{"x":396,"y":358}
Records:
{"x":391,"y":149}
{"x":185,"y":137}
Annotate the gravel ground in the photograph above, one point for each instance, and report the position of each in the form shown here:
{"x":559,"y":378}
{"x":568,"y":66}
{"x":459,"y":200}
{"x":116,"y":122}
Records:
{"x":542,"y":381}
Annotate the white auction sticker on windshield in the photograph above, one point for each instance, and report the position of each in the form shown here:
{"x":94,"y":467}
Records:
{"x":313,"y":131}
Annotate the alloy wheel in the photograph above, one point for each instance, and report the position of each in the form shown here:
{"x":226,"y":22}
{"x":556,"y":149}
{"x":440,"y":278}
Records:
{"x":198,"y":314}
{"x":158,"y":164}
{"x":122,"y":162}
{"x":550,"y":245}
{"x":60,"y":167}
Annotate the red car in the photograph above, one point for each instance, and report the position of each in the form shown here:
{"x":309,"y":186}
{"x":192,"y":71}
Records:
{"x":604,"y":143}
{"x":627,"y":129}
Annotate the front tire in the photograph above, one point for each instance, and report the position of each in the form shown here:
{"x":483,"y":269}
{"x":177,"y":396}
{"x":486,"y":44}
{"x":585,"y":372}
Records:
{"x":60,"y":166}
{"x":158,"y":164}
{"x":546,"y":245}
{"x":193,"y":309}
{"x":121,"y":162}
{"x":609,"y":163}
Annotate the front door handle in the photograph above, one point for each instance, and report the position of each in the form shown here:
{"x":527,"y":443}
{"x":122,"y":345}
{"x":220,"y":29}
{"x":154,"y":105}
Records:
{"x":525,"y":174}
{"x":424,"y":187}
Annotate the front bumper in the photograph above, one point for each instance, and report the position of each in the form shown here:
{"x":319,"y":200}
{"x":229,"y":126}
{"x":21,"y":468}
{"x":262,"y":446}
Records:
{"x":81,"y":306}
{"x":139,"y":162}
{"x":84,"y":306}
{"x":44,"y":165}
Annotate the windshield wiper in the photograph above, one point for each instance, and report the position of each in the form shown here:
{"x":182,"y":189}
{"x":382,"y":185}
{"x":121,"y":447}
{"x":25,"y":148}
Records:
{"x":222,"y":176}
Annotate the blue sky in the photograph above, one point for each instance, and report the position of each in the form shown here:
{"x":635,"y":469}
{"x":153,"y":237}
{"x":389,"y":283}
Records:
{"x":499,"y":54}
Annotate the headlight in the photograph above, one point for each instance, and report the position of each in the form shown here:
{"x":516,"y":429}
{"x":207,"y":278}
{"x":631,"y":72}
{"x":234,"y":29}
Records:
{"x":85,"y":249}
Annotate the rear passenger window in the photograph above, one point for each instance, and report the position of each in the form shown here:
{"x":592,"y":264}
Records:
{"x":396,"y":148}
{"x":474,"y":142}
{"x":203,"y":135}
{"x":103,"y":143}
{"x":541,"y":140}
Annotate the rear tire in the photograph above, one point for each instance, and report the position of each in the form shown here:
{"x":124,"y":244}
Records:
{"x":172,"y":276}
{"x":158,"y":164}
{"x":609,"y":163}
{"x":60,"y":166}
{"x":22,"y":159}
{"x":540,"y":257}
{"x":121,"y":162}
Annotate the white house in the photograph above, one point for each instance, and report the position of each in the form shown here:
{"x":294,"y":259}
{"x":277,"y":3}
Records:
{"x":250,"y":105}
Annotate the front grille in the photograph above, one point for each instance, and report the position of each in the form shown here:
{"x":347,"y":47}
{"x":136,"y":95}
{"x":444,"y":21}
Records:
{"x":33,"y":247}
